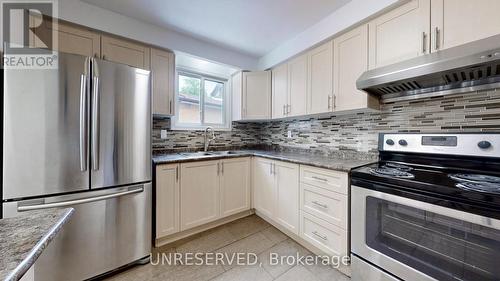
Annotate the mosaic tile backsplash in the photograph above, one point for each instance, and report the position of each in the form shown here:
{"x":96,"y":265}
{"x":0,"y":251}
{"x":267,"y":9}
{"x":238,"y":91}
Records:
{"x":471,"y":112}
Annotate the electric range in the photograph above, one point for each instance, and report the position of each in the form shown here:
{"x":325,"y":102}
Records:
{"x":429,"y":209}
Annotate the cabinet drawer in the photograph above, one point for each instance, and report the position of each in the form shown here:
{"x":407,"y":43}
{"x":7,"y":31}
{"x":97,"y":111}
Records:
{"x":324,"y":204}
{"x":325,"y":236}
{"x":331,"y":180}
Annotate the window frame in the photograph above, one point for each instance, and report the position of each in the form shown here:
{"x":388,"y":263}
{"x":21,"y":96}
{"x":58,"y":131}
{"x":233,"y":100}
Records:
{"x":226,"y":110}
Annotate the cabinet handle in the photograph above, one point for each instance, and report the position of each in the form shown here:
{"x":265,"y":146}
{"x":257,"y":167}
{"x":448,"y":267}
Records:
{"x":274,"y":168}
{"x":319,"y":179}
{"x":320,"y":204}
{"x":424,"y":39}
{"x":320,"y":236}
{"x":103,"y":57}
{"x":284,"y":113}
{"x":289,"y":109}
{"x":177,"y":174}
{"x":330,"y":102}
{"x":222,"y":168}
{"x":170,"y":107}
{"x":436,"y":37}
{"x":218,"y":168}
{"x":334,"y":101}
{"x":270,"y":168}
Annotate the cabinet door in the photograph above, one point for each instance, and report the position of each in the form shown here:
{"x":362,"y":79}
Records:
{"x":264,"y":187}
{"x":351,"y":60}
{"x":167,"y":200}
{"x":163,"y":76}
{"x":235,"y":186}
{"x":280,"y":90}
{"x":457,"y":22}
{"x":400,"y":34}
{"x":199,"y":193}
{"x":287,"y":191}
{"x":320,"y":79}
{"x":124,"y":51}
{"x":297,"y":86}
{"x":71,"y":38}
{"x":236,"y":96}
{"x":256,"y":95}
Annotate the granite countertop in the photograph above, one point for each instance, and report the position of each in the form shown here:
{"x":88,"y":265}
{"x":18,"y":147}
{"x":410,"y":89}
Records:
{"x":333,"y":162}
{"x":24,"y":238}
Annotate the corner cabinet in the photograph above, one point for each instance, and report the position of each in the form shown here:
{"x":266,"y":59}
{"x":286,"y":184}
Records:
{"x":125,"y":51}
{"x":163,"y":81}
{"x":400,"y":34}
{"x":167,"y":199}
{"x":351,"y":60}
{"x":256,"y":95}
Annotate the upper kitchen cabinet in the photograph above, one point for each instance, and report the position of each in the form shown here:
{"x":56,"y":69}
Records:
{"x":400,"y":34}
{"x":297,"y":86}
{"x":236,"y":99}
{"x":163,"y":80}
{"x":456,"y":22}
{"x":351,"y":60}
{"x":280,"y":90}
{"x":320,"y":96}
{"x":256,"y":95}
{"x":72,"y":39}
{"x":125,"y":51}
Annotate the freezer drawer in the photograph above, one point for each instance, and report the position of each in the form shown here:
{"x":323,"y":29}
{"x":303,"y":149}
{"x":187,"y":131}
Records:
{"x":112,"y":229}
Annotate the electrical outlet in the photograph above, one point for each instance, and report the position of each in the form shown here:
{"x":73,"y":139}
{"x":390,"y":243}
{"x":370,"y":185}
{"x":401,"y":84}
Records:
{"x":289,"y":134}
{"x":163,"y":134}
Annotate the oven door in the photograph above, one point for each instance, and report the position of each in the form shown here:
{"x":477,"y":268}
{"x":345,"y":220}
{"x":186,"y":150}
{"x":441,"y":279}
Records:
{"x":414,"y":240}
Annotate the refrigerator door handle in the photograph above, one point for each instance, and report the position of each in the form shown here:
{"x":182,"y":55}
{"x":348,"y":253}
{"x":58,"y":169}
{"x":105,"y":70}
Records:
{"x":83,"y":123}
{"x":95,"y":122}
{"x":79,"y":201}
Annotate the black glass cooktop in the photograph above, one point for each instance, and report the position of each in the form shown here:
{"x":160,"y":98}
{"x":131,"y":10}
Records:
{"x":476,"y":187}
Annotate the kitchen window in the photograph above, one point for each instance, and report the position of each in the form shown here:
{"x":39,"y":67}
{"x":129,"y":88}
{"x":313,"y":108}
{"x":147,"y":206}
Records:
{"x":201,"y":101}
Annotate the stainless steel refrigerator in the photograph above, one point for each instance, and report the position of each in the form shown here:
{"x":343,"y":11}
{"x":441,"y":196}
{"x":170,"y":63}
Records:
{"x":80,"y":136}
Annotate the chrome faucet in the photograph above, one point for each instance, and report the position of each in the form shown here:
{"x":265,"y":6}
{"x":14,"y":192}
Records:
{"x":208,"y":139}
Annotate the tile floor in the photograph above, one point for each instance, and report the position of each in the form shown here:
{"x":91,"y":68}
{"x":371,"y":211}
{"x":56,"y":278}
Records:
{"x":248,"y":235}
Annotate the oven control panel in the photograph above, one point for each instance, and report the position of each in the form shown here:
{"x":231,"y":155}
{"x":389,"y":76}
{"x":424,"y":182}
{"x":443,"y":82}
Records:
{"x":485,"y":145}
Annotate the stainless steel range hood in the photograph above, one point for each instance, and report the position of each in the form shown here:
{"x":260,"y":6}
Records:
{"x":470,"y":67}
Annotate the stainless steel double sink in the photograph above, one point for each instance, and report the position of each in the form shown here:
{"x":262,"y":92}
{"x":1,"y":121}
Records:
{"x":209,"y":153}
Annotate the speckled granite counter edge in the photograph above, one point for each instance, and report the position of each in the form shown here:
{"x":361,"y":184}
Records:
{"x":18,"y":272}
{"x":338,"y":164}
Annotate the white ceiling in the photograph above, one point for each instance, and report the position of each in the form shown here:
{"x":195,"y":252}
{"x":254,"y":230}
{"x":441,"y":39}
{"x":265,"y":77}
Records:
{"x":253,"y":27}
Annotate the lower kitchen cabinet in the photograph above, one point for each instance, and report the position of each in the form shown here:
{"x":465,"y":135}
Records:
{"x":264,"y":186}
{"x":199,"y":198}
{"x":287,"y":191}
{"x":276,"y":187}
{"x":234,"y":186}
{"x":308,"y":202}
{"x":193,"y":194}
{"x":167,"y":199}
